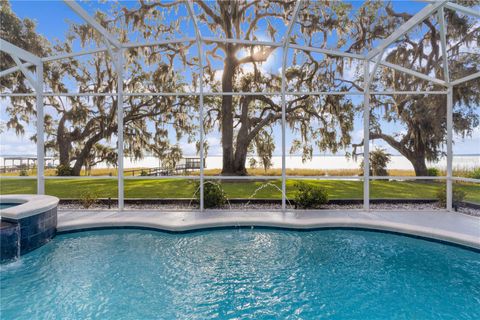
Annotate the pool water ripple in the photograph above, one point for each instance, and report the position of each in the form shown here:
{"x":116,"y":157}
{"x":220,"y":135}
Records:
{"x":242,"y":274}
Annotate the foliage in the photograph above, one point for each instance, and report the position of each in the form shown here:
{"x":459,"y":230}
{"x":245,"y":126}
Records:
{"x":88,"y":198}
{"x":64,"y":170}
{"x":23,"y":173}
{"x":22,"y":33}
{"x":423,"y":117}
{"x":252,"y":163}
{"x":324,"y":122}
{"x":379,"y":160}
{"x":467,"y":171}
{"x":172,"y":157}
{"x":144,"y":173}
{"x":474,"y":173}
{"x":244,"y":120}
{"x":213,"y":194}
{"x":433,"y":172}
{"x":310,"y":196}
{"x":81,"y":129}
{"x":264,"y":146}
{"x":100,"y":153}
{"x":457,"y":195}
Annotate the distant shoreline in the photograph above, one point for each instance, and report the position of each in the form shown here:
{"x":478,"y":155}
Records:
{"x":255,"y":155}
{"x":295,"y":162}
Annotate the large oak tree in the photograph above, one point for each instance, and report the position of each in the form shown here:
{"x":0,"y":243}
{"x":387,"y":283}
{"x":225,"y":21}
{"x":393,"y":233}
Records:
{"x":82,"y":130}
{"x":423,"y":117}
{"x":240,"y":119}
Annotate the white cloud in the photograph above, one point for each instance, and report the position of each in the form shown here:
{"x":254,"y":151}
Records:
{"x":214,"y":145}
{"x":218,"y":75}
{"x":358,"y":135}
{"x":189,"y":149}
{"x":11,"y":144}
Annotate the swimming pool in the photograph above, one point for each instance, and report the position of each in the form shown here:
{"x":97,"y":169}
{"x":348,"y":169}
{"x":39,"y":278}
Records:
{"x":7,"y":205}
{"x":242,"y":273}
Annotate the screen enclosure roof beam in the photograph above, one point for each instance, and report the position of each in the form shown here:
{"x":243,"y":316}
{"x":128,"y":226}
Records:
{"x":407,"y":26}
{"x":20,"y":53}
{"x":92,"y":22}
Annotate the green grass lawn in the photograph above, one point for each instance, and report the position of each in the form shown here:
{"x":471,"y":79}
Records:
{"x":183,"y":188}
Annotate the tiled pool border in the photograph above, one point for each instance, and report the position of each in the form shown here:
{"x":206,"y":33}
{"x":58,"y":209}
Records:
{"x":29,"y":225}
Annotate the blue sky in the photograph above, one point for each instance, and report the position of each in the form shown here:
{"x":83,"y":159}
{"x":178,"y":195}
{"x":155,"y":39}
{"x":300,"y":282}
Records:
{"x":52,"y":16}
{"x":52,"y":19}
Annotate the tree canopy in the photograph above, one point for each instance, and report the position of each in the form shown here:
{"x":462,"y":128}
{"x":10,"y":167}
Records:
{"x":82,"y":130}
{"x":236,"y":67}
{"x":423,"y":117}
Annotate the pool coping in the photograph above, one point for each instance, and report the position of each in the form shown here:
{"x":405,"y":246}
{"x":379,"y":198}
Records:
{"x":438,"y":225}
{"x":29,"y":205}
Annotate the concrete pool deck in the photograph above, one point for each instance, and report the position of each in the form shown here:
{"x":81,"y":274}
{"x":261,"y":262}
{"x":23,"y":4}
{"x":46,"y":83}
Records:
{"x":440,"y":225}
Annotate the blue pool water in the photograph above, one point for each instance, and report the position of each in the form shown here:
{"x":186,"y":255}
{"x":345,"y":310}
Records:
{"x":242,"y":274}
{"x":7,"y":205}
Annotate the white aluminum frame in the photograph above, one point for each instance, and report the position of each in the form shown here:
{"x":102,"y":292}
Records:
{"x":366,"y":136}
{"x":118,"y":58}
{"x":26,"y":60}
{"x":198,"y":39}
{"x":285,"y":43}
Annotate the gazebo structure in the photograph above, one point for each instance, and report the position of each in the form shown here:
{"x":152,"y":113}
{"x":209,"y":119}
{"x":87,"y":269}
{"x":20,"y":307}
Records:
{"x":373,"y":59}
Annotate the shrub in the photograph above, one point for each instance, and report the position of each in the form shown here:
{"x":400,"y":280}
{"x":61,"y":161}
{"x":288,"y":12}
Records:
{"x":458,"y":196}
{"x":433,"y":172}
{"x":144,"y":173}
{"x":23,"y":173}
{"x":88,"y":198}
{"x":63,"y":170}
{"x":213,"y":194}
{"x":474,"y":173}
{"x":379,"y":160}
{"x":308,"y":196}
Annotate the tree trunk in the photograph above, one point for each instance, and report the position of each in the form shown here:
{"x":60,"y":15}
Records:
{"x":81,"y":158}
{"x":241,"y":151}
{"x":227,"y":114}
{"x":79,"y":162}
{"x":416,"y":157}
{"x":419,"y":165}
{"x":243,"y":140}
{"x":64,"y":145}
{"x":64,"y":153}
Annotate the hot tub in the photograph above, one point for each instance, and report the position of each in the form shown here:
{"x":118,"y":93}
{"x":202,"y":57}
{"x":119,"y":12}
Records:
{"x":27,"y":222}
